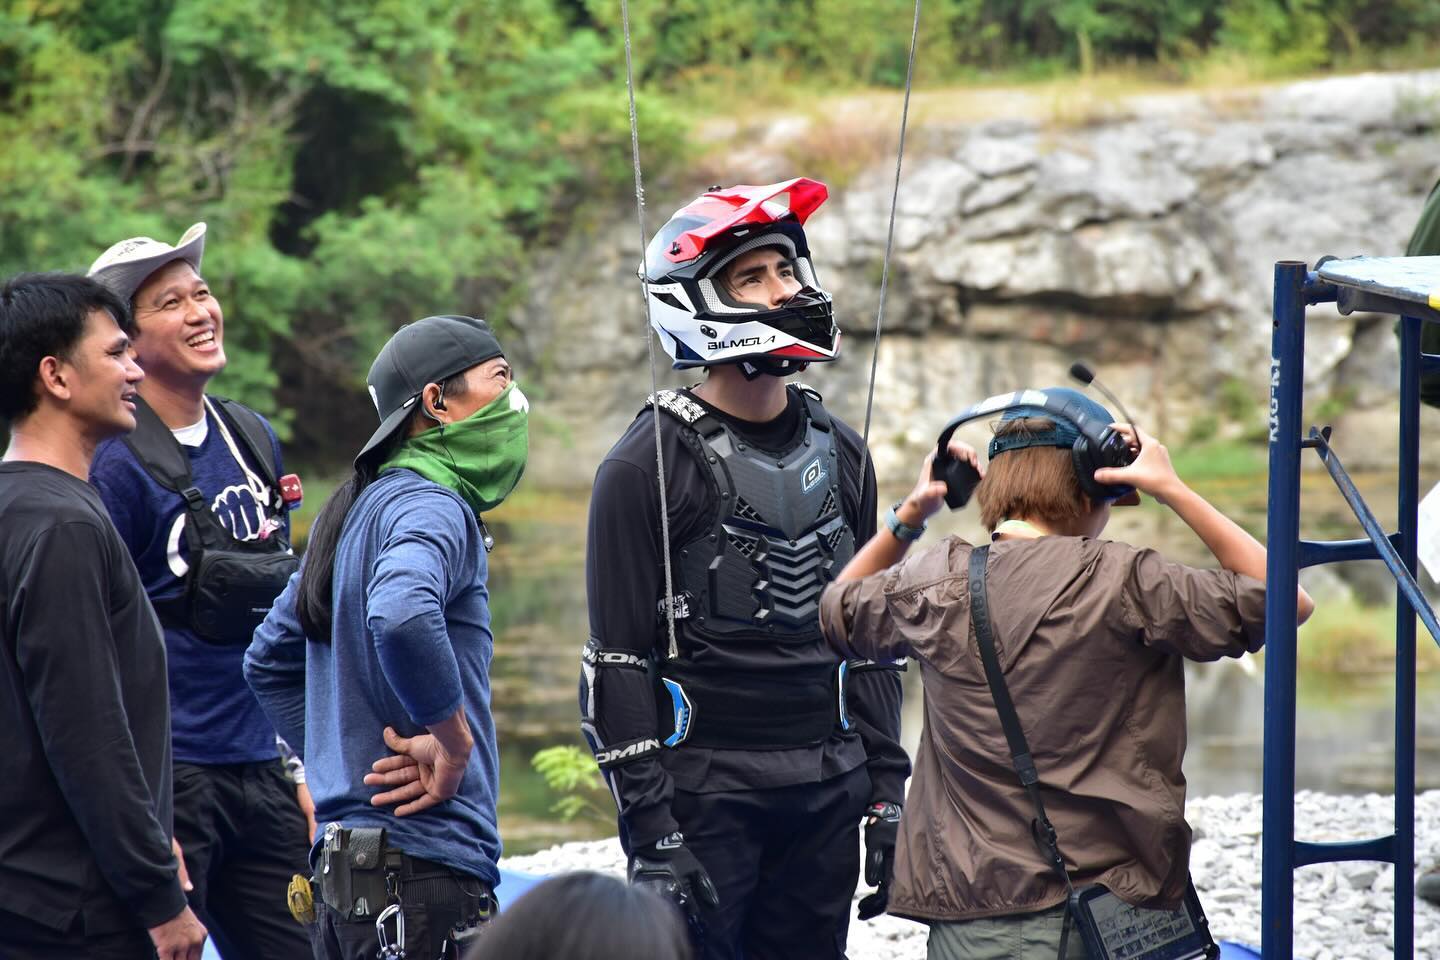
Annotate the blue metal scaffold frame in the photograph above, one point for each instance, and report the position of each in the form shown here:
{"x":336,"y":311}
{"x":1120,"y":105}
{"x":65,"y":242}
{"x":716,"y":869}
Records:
{"x":1410,"y":289}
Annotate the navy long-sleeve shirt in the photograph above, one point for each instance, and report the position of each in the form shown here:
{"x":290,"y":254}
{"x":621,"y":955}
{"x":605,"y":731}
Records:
{"x":410,"y":643}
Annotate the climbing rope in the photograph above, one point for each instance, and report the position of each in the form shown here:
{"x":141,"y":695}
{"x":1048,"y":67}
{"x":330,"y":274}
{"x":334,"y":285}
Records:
{"x":889,"y":244}
{"x":649,"y":338}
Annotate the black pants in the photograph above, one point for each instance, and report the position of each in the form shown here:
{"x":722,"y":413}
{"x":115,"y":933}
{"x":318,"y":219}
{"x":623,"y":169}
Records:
{"x":434,"y":899}
{"x":785,"y":862}
{"x":244,"y":837}
{"x":24,"y":939}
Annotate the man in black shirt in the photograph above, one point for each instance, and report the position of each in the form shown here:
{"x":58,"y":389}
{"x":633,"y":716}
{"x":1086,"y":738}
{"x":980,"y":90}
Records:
{"x":741,"y":752}
{"x":86,"y":860}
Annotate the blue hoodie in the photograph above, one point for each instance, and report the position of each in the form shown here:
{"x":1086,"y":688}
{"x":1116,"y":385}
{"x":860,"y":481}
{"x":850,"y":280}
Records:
{"x":410,"y":643}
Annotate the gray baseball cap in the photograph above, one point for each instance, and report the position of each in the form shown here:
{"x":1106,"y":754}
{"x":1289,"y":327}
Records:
{"x":422,"y":352}
{"x":126,"y":265}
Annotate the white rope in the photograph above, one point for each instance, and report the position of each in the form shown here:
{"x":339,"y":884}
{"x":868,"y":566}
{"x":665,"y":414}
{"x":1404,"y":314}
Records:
{"x":649,"y":339}
{"x":889,"y":243}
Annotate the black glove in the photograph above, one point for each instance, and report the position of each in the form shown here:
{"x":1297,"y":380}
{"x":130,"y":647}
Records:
{"x":882,"y":825}
{"x":668,"y":868}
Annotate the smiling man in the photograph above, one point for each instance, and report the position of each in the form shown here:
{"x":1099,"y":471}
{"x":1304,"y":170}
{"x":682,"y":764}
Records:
{"x":195,"y":495}
{"x":85,"y":851}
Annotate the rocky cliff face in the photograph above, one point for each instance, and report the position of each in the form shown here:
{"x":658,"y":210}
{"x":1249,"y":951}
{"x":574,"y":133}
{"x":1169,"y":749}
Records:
{"x":1144,"y":241}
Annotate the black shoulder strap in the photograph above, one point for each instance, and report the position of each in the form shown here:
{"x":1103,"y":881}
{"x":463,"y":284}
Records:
{"x":162,"y":456}
{"x":1040,"y":827}
{"x":818,"y":414}
{"x":253,"y":435}
{"x":157,"y":450}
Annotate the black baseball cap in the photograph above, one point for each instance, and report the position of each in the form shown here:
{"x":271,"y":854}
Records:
{"x":422,"y":352}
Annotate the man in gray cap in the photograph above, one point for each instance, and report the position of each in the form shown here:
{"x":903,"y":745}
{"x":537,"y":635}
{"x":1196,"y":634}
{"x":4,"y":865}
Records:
{"x":195,"y":493}
{"x":384,"y":635}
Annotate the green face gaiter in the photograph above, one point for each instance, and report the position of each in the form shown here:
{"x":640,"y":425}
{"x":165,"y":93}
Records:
{"x":481,"y":457}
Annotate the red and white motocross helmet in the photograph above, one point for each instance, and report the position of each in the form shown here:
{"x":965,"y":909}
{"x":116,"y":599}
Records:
{"x":699,"y":323}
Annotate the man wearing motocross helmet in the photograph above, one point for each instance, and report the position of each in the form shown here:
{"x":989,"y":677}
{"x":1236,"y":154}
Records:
{"x":742,"y":753}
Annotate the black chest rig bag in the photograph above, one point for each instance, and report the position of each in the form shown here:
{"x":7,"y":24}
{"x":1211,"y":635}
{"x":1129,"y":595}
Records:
{"x":753,"y":670}
{"x":231,"y":584}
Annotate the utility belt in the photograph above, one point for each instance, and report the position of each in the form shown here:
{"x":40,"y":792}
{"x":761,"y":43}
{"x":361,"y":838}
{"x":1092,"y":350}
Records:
{"x":363,"y":879}
{"x":732,"y":709}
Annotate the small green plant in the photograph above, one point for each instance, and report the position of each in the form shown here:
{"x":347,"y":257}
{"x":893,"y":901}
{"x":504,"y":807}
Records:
{"x":1333,"y":406}
{"x":1202,"y":429}
{"x":573,"y":773}
{"x":1218,"y":460}
{"x":1239,"y":402}
{"x":1347,"y":637}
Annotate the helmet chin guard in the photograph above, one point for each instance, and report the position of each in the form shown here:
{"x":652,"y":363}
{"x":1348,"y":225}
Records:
{"x":699,"y":323}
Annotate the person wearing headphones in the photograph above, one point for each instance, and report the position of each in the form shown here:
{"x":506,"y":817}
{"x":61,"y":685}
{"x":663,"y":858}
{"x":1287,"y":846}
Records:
{"x":383,"y":639}
{"x":1091,"y":636}
{"x":742,"y":753}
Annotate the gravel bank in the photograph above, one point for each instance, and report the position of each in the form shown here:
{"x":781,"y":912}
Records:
{"x":1341,"y":910}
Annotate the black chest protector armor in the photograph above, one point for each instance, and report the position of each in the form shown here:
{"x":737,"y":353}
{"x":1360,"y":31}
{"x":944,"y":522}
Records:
{"x":752,"y":669}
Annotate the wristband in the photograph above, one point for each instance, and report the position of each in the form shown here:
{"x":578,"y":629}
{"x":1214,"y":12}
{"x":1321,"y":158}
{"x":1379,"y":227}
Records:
{"x":899,"y":528}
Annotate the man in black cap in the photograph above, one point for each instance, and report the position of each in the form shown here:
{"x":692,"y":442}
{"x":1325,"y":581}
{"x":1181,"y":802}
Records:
{"x":385,"y":634}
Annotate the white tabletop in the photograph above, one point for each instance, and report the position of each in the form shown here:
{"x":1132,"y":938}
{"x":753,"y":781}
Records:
{"x":1412,"y":279}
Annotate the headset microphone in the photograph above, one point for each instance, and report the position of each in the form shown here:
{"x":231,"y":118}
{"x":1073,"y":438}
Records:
{"x":1085,"y":375}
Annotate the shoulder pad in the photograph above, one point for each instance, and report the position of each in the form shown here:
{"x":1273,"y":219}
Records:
{"x":677,"y":405}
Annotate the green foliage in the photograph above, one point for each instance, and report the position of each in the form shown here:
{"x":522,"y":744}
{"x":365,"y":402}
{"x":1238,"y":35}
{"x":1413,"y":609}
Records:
{"x":359,"y":165}
{"x":572,"y":772}
{"x":1202,"y":429}
{"x":1238,"y":402}
{"x":1333,"y":406}
{"x":362,"y":164}
{"x":1219,"y":460}
{"x":1287,"y":35}
{"x":1347,"y":637}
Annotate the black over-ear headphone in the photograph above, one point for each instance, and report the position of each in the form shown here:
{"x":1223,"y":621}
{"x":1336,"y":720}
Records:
{"x":1097,"y":446}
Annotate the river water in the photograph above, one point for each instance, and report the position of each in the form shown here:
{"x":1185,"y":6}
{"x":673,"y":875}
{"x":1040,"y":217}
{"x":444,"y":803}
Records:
{"x":1345,"y":716}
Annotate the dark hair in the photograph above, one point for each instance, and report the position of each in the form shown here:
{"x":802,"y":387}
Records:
{"x":315,"y":603}
{"x":586,"y":916}
{"x":1031,"y":483}
{"x":45,"y":315}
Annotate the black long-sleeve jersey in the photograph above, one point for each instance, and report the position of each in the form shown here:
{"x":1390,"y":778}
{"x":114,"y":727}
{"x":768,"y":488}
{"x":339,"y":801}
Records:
{"x":624,"y":571}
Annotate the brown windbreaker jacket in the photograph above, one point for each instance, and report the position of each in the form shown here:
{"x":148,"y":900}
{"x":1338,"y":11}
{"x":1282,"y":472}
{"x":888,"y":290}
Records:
{"x":1091,"y":636}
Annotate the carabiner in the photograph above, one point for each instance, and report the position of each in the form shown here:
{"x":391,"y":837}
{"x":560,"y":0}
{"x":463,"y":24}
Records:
{"x":391,"y":950}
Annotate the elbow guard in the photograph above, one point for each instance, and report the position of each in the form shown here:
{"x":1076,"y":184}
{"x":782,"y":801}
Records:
{"x":601,"y":669}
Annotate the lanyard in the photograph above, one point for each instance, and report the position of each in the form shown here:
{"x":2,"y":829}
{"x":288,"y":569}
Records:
{"x":256,"y":485}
